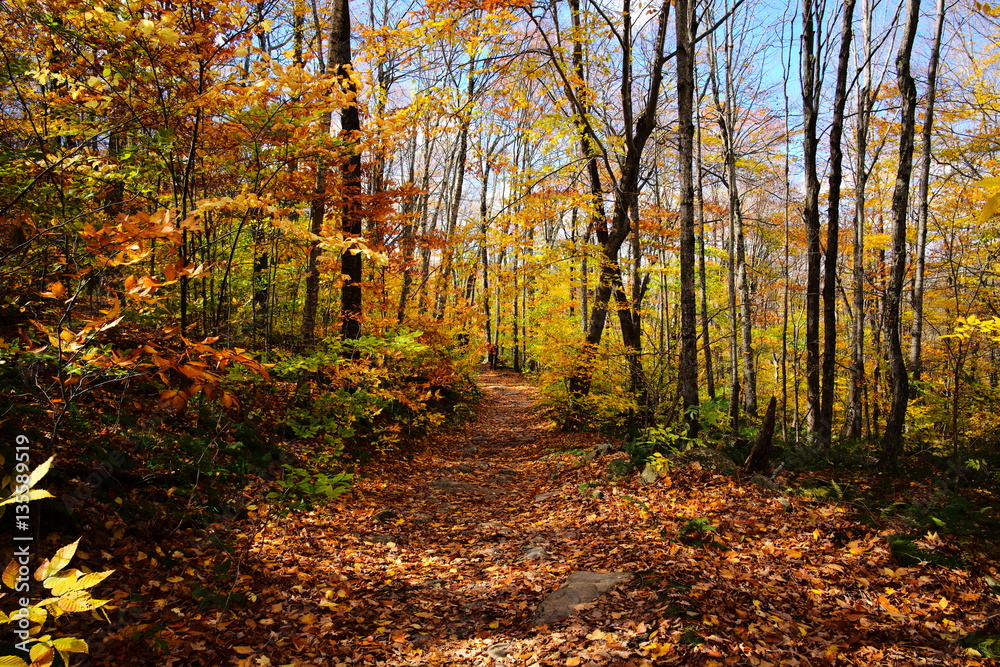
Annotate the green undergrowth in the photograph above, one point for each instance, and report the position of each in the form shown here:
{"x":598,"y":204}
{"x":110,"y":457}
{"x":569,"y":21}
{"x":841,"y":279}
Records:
{"x":290,"y":436}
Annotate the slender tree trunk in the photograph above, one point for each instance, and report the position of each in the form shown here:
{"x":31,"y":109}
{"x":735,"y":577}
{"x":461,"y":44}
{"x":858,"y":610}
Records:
{"x":917,"y":330}
{"x":484,"y":254}
{"x":811,"y":87}
{"x":786,"y":67}
{"x":456,"y":201}
{"x":892,"y":443}
{"x":833,"y":228}
{"x":854,"y":408}
{"x":317,"y":213}
{"x":687,"y":366}
{"x":408,"y":241}
{"x":351,"y":219}
{"x":706,"y":339}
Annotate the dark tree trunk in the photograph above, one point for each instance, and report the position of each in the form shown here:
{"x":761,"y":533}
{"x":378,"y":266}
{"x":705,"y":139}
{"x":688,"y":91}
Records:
{"x":892,"y":442}
{"x":811,"y":86}
{"x":833,"y":228}
{"x":759,"y":459}
{"x":687,"y":364}
{"x":351,"y":219}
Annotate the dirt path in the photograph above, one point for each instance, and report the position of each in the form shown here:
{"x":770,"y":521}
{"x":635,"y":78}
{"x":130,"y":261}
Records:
{"x":439,"y":559}
{"x":444,"y":557}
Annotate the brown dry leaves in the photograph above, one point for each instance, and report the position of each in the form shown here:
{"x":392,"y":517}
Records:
{"x":423,"y":563}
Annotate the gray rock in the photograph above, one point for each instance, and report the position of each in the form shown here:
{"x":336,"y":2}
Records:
{"x":600,"y":450}
{"x":709,"y":459}
{"x":763,"y":482}
{"x":541,"y":497}
{"x":381,"y":539}
{"x":648,"y":475}
{"x":536,"y":553}
{"x":500,"y":651}
{"x":786,"y":504}
{"x":451,"y":486}
{"x":579,"y":588}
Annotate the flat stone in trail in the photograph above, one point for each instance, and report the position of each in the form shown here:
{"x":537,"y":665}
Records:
{"x":579,"y":588}
{"x":451,"y":486}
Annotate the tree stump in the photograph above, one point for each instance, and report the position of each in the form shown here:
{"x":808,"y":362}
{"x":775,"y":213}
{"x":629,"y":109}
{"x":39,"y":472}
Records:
{"x":759,"y":459}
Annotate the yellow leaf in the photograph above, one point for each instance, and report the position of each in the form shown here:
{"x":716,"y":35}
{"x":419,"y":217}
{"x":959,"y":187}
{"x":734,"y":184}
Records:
{"x":34,"y":494}
{"x":877,"y":241}
{"x":71,"y":645}
{"x":40,"y":472}
{"x":990,"y":207}
{"x":56,"y":291}
{"x":77,"y":582}
{"x":243,"y":650}
{"x":12,"y":661}
{"x":10,"y":574}
{"x":41,"y":655}
{"x":572,"y":662}
{"x":168,"y":35}
{"x":79,"y":601}
{"x":58,"y":562}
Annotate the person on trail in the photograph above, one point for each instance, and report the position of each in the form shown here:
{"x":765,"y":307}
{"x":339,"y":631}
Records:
{"x":492,"y":355}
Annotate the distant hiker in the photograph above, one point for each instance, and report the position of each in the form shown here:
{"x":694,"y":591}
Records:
{"x":492,"y":355}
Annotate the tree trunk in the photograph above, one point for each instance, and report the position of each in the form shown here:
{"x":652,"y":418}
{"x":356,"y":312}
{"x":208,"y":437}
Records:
{"x":917,"y":330}
{"x":892,"y":443}
{"x":706,"y":339}
{"x":811,"y":87}
{"x":351,"y":220}
{"x":833,"y":228}
{"x":484,"y":254}
{"x":637,"y":133}
{"x":759,"y":459}
{"x":687,"y":365}
{"x":854,"y":410}
{"x":456,"y":201}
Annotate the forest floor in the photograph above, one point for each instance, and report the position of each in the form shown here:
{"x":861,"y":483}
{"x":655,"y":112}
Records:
{"x":442,"y":556}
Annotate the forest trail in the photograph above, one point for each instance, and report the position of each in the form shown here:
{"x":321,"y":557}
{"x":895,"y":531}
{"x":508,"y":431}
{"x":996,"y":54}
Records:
{"x":442,"y":556}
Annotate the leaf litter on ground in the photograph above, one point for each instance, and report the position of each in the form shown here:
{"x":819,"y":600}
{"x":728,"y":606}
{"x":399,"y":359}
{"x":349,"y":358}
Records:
{"x":425,"y":562}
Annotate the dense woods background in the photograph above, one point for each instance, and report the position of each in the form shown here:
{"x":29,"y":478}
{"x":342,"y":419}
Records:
{"x":227,"y":224}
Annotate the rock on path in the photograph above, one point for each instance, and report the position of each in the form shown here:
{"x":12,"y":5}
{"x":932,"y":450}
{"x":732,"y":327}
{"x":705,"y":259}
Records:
{"x":580,"y":588}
